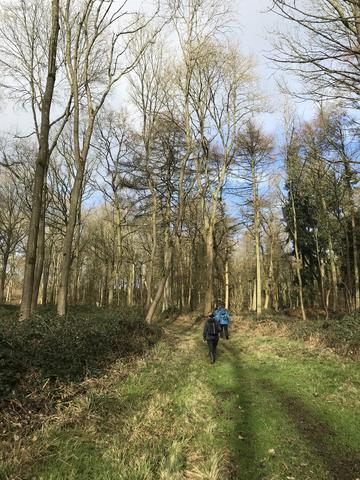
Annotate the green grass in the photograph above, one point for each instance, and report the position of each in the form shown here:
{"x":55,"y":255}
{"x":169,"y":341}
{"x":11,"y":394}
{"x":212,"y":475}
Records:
{"x":269,"y":409}
{"x":299,"y":411}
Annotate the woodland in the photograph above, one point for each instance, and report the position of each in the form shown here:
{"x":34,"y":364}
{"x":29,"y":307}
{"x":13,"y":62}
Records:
{"x":142,"y":190}
{"x":176,"y":198}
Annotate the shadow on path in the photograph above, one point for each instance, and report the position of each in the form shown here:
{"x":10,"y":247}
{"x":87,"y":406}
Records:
{"x":236,"y":407}
{"x":239,"y":387}
{"x":342,"y":462}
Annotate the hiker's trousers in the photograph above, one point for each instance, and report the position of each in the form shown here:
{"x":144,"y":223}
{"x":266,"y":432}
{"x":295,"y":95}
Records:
{"x":212,"y":344}
{"x":224,"y":331}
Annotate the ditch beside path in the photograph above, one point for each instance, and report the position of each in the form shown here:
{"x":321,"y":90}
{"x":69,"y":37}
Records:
{"x":268,"y":409}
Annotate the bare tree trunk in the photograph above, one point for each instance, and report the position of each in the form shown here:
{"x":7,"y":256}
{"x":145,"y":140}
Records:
{"x":105,"y":290}
{"x":118,"y":257}
{"x":356,"y":261}
{"x":258,"y":275}
{"x":182,"y":279}
{"x":348,"y":177}
{"x":111,"y":284}
{"x":100,"y":294}
{"x":348,"y":283}
{"x":46,"y":276}
{"x":226,"y":282}
{"x":270,"y":279}
{"x":334,"y":279}
{"x":3,"y":276}
{"x":9,"y":291}
{"x":150,"y":271}
{"x":143,"y":283}
{"x":75,"y":281}
{"x":285,"y":303}
{"x":76,"y":277}
{"x":39,"y":265}
{"x":289,"y":293}
{"x":10,"y":280}
{"x":321,"y":271}
{"x":190,"y":284}
{"x":332,"y":259}
{"x":167,"y":257}
{"x":250,"y":296}
{"x":40,"y":169}
{"x":297,"y":256}
{"x":267,"y":295}
{"x":209,"y":269}
{"x":276,"y":298}
{"x":68,"y":240}
{"x":257,"y":240}
{"x":253,"y":304}
{"x":118,"y":292}
{"x":55,"y":280}
{"x":158,"y":296}
{"x":131,"y":285}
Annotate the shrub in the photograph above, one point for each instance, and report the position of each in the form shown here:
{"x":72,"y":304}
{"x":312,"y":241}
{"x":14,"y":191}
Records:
{"x":48,"y":348}
{"x":340,"y":333}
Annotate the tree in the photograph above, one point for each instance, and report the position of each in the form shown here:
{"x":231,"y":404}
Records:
{"x":28,"y":36}
{"x":254,"y":150}
{"x":93,"y":56}
{"x":114,"y":143}
{"x":324,"y":50}
{"x":12,"y":225}
{"x":41,"y":166}
{"x":149,"y":89}
{"x":294,"y":169}
{"x":341,"y":140}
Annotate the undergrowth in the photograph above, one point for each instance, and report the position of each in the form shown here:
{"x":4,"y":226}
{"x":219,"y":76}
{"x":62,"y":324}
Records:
{"x":340,"y":334}
{"x":44,"y":361}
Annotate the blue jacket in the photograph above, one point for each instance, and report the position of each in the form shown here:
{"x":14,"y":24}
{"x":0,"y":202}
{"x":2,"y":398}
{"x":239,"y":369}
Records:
{"x":222,"y":316}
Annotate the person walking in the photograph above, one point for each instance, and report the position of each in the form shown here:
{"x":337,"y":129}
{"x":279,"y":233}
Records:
{"x":222,"y":316}
{"x":211,"y":336}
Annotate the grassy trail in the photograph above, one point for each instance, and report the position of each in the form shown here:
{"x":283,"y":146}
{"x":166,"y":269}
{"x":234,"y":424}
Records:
{"x":269,"y":409}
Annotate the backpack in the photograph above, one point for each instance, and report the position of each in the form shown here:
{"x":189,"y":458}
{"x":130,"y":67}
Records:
{"x":213,"y":327}
{"x":223,"y":317}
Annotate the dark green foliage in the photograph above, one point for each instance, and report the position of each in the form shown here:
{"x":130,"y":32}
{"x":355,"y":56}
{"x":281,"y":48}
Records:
{"x":59,"y":350}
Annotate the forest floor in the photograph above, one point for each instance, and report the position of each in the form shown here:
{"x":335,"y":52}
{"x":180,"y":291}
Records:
{"x":270,"y":408}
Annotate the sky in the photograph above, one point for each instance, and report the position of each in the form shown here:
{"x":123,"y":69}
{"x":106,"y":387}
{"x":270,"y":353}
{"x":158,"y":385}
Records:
{"x":256,"y":24}
{"x":253,"y":23}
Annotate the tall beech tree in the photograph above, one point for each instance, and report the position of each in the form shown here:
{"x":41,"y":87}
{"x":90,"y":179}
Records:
{"x":253,"y":149}
{"x":41,"y":165}
{"x":95,"y":60}
{"x":29,"y":33}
